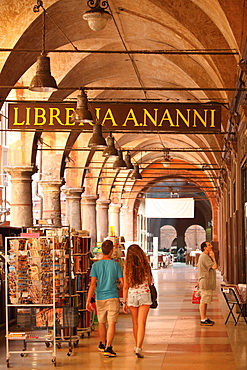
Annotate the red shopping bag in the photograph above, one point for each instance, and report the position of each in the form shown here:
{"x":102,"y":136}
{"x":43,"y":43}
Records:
{"x":196,"y":296}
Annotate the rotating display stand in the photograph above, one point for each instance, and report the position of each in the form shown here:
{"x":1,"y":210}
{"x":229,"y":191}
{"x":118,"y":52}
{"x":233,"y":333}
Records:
{"x":46,"y":283}
{"x":30,"y":287}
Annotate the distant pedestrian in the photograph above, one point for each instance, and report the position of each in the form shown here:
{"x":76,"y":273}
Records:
{"x":105,"y":274}
{"x":206,"y":280}
{"x":136,"y":292}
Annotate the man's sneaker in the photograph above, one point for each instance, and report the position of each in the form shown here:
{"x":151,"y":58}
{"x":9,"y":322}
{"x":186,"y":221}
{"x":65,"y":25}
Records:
{"x":109,"y":352}
{"x":207,"y":322}
{"x":101,"y":347}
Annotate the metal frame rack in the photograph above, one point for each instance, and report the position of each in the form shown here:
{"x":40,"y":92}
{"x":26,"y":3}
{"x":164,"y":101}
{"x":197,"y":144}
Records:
{"x":233,"y":297}
{"x":70,"y":310}
{"x":67,"y":319}
{"x":46,"y":277}
{"x":30,"y":288}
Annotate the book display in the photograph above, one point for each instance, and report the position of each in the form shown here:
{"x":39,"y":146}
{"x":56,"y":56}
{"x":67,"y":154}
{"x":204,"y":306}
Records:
{"x":80,"y":262}
{"x":2,"y":284}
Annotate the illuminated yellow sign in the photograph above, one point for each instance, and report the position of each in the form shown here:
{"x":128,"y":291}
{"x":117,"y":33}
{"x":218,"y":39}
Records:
{"x":135,"y":116}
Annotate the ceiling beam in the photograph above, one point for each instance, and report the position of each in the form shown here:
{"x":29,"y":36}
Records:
{"x":146,"y":52}
{"x":124,"y":88}
{"x":151,"y":168}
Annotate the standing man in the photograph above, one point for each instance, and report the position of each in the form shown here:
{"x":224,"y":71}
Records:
{"x":206,"y":280}
{"x":104,"y":276}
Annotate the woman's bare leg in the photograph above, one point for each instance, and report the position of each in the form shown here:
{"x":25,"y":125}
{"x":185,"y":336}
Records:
{"x":134,"y":316}
{"x":142,"y":318}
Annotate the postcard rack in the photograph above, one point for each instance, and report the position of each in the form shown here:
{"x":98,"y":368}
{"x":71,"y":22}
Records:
{"x":31,"y":290}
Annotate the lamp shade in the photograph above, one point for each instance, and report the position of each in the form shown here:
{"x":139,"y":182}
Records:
{"x":136,"y":174}
{"x":127,"y":160}
{"x":97,"y":141}
{"x":110,"y":150}
{"x":119,"y":162}
{"x":97,"y":19}
{"x":167,"y":158}
{"x":43,"y":80}
{"x":82,"y":113}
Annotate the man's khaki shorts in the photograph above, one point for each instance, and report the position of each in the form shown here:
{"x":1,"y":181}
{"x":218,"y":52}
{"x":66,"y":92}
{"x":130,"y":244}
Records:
{"x":206,"y":296}
{"x":108,"y":310}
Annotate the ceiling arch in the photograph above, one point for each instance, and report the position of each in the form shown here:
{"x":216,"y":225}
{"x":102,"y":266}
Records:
{"x":199,"y":31}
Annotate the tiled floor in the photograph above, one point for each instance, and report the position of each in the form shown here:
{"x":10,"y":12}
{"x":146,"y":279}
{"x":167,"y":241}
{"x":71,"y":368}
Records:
{"x":174,"y":339}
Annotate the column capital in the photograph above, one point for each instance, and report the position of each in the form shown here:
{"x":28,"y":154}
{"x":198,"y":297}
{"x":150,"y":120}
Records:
{"x":73,"y":193}
{"x":51,"y":185}
{"x":103,"y":203}
{"x":115,"y":207}
{"x":89,"y":198}
{"x":21,"y":172}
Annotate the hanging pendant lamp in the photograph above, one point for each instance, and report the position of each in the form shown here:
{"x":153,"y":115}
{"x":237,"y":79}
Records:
{"x":127,"y":160}
{"x":43,"y":81}
{"x":136,"y":174}
{"x":110,"y":150}
{"x":82,"y":113}
{"x":119,"y":163}
{"x":97,"y":16}
{"x":97,"y":141}
{"x":167,"y":158}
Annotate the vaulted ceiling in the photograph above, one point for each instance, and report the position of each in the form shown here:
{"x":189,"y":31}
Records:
{"x":176,"y":51}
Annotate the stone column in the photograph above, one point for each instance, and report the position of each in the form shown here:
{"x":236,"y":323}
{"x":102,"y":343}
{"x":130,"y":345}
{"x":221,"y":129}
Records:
{"x":114,"y":217}
{"x":89,"y":216}
{"x":51,"y":201}
{"x":73,"y":207}
{"x":102,"y":219}
{"x":126,"y":224}
{"x":21,"y":210}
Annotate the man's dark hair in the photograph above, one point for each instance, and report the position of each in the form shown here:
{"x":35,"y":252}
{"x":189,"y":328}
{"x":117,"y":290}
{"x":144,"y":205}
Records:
{"x":106,"y":247}
{"x":203,"y":246}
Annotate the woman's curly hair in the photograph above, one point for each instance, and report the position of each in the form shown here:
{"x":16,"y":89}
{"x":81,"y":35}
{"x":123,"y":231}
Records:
{"x":137,"y":267}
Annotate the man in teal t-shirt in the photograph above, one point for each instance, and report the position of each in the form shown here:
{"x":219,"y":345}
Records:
{"x":104,"y":276}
